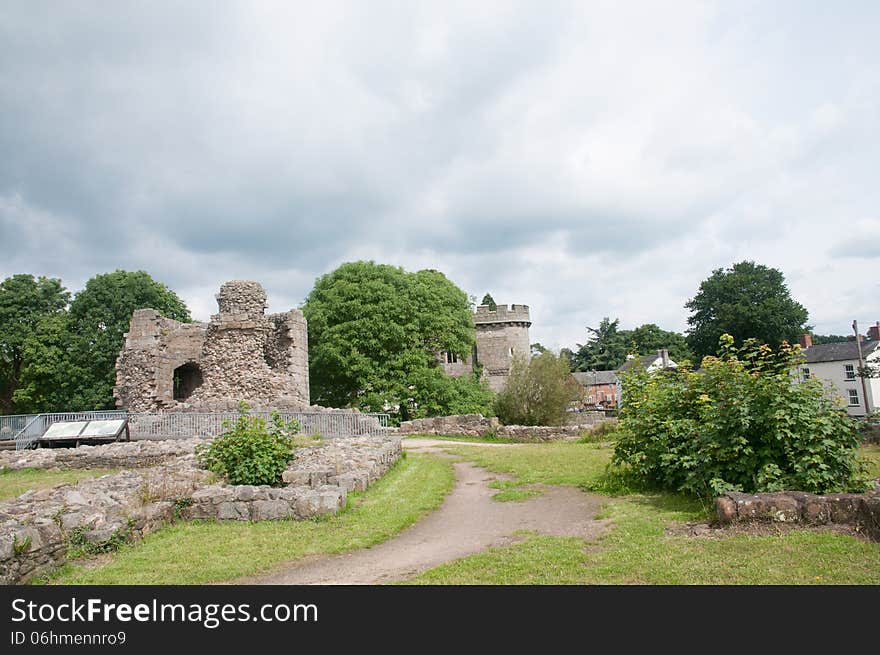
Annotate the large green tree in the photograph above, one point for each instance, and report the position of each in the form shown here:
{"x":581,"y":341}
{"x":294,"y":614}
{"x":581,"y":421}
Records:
{"x":98,"y":318}
{"x":746,"y":301}
{"x":607,"y":346}
{"x":605,"y":349}
{"x":649,"y":338}
{"x":25,"y":303}
{"x":374,"y":334}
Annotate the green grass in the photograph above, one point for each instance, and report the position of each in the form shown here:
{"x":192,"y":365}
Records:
{"x":463,"y":437}
{"x":871,"y":454}
{"x":637,"y":550}
{"x":203,"y":552}
{"x":15,"y":483}
{"x":548,"y":463}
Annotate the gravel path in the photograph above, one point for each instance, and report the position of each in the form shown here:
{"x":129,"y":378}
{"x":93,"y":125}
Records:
{"x":468,"y":522}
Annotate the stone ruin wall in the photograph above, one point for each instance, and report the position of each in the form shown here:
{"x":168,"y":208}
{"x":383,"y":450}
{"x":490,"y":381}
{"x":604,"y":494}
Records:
{"x":163,"y":485}
{"x":241,"y":354}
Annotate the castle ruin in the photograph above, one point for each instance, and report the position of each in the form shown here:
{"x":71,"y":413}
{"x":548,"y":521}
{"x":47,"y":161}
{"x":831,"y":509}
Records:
{"x":500,"y":334}
{"x":241,"y":354}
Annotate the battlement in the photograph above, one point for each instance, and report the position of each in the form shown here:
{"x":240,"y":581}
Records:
{"x":503,"y":314}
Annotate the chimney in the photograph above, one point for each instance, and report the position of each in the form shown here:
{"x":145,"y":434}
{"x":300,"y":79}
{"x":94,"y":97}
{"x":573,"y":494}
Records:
{"x":852,"y":337}
{"x":664,"y":355}
{"x":874,"y":332}
{"x":806,"y":340}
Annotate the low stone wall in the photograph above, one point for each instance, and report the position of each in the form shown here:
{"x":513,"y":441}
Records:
{"x":472,"y":425}
{"x":120,"y":454}
{"x":476,"y":425}
{"x":318,"y":481}
{"x":38,"y":527}
{"x":861,"y":511}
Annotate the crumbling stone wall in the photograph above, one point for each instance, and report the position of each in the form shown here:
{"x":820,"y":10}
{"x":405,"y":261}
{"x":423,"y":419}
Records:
{"x":241,"y":354}
{"x":37,"y":527}
{"x":859,"y":510}
{"x":476,"y":425}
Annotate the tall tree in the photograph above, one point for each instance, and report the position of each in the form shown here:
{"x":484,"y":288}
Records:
{"x":605,"y":349}
{"x":747,"y":300}
{"x":490,"y":301}
{"x":374,"y":334}
{"x":25,"y":301}
{"x":99,"y":316}
{"x":649,"y":338}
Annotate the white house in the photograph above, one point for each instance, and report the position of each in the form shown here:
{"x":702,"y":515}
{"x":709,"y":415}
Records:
{"x":838,"y":364}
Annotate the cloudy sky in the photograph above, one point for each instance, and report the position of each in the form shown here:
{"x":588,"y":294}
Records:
{"x":588,"y":159}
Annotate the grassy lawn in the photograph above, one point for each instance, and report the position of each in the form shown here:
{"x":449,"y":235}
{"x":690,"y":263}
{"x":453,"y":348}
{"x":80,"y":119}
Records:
{"x":462,"y":437}
{"x":203,"y":552}
{"x":547,"y":463}
{"x":872,"y":455}
{"x":638,"y":550}
{"x":15,"y":483}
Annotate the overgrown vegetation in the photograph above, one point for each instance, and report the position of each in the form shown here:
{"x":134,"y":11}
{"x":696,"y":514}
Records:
{"x":538,"y":391}
{"x":738,"y":424}
{"x":250,"y":451}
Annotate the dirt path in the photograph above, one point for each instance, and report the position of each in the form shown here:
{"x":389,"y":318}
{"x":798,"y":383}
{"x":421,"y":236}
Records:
{"x":468,"y":521}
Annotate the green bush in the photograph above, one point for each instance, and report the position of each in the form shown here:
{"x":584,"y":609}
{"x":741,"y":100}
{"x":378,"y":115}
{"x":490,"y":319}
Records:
{"x":538,"y":391}
{"x":250,"y":451}
{"x":741,"y":423}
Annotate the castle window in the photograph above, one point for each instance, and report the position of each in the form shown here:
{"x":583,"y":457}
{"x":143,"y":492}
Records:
{"x":511,"y":351}
{"x":451,"y":358}
{"x":187,"y":378}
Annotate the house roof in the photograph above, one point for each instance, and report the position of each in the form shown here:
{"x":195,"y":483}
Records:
{"x":590,"y":378}
{"x":835,"y":352}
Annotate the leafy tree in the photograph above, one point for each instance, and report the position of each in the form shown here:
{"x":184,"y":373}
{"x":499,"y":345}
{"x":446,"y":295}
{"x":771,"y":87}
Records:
{"x":46,"y":378}
{"x":99,"y":316}
{"x":433,"y":393}
{"x":605,"y":349}
{"x":747,"y":301}
{"x":819,"y":339}
{"x":375,"y":330}
{"x":648,"y":338}
{"x":538,"y":391}
{"x":740,"y":424}
{"x":537,"y":349}
{"x":490,"y":301}
{"x":25,"y":301}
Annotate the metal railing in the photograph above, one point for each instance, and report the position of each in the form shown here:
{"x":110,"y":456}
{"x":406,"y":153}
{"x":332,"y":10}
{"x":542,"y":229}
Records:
{"x":182,"y":425}
{"x":12,"y":424}
{"x":36,"y":427}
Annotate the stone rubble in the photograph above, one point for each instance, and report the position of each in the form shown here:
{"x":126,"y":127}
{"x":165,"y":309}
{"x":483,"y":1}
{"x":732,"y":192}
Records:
{"x":38,"y":527}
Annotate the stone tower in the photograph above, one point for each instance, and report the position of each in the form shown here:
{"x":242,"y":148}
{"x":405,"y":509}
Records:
{"x":500,"y":334}
{"x":242,"y":354}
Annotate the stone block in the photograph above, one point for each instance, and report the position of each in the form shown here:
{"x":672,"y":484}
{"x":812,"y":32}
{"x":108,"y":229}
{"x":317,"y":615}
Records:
{"x":814,"y":509}
{"x":233,"y":511}
{"x":781,"y":507}
{"x":296,"y":477}
{"x":725,"y":510}
{"x":262,"y":510}
{"x":844,"y":508}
